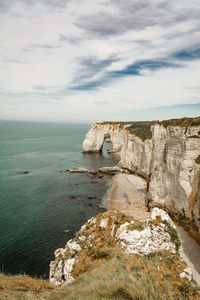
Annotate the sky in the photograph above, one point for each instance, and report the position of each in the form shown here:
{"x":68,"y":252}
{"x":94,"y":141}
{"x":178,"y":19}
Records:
{"x":91,"y":61}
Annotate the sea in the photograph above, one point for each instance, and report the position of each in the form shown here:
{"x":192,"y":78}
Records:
{"x":41,"y":209}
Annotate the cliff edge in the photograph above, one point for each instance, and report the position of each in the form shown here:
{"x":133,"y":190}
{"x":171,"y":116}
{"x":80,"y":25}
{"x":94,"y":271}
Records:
{"x":166,"y":154}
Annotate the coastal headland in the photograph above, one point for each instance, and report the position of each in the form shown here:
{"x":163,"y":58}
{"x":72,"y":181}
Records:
{"x":158,"y":169}
{"x":146,"y":245}
{"x":166,"y":154}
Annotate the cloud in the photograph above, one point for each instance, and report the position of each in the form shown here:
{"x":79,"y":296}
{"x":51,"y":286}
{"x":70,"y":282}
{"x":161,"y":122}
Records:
{"x":69,"y":39}
{"x":88,"y":86}
{"x":187,"y":54}
{"x":138,"y":68}
{"x":101,"y":103}
{"x":130,"y":15}
{"x":87,"y":53}
{"x":41,"y":46}
{"x":6,"y":5}
{"x":192,"y":88}
{"x":88,"y":68}
{"x":37,"y":95}
{"x":12,"y":60}
{"x":41,"y":88}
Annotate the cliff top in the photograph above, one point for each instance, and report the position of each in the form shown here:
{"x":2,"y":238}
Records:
{"x":142,"y":129}
{"x":171,"y":122}
{"x":183,"y":122}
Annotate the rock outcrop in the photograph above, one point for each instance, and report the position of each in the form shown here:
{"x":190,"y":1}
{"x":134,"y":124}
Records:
{"x":108,"y":231}
{"x":103,"y":131}
{"x":168,"y":158}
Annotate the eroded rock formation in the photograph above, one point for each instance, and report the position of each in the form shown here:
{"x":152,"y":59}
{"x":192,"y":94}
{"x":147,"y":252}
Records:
{"x":168,"y":158}
{"x":101,"y":132}
{"x":107,"y":232}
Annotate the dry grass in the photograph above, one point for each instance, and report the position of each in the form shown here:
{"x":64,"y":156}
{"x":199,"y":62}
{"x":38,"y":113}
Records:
{"x":131,"y":277}
{"x":105,"y":271}
{"x":184,"y":122}
{"x":23,"y":287}
{"x":120,"y":277}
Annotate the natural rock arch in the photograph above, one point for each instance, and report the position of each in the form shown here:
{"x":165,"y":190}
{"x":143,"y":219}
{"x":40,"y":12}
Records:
{"x":106,"y":137}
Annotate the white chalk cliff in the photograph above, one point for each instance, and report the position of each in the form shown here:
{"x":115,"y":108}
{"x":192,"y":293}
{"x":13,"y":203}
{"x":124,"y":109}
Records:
{"x":114,"y":229}
{"x":169,"y":160}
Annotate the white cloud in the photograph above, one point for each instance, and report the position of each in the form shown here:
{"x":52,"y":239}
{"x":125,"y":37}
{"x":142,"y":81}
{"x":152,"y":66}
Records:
{"x":57,"y":45}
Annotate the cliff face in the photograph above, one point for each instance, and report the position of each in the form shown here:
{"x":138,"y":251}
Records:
{"x":99,"y":132}
{"x":169,"y":160}
{"x":175,"y":175}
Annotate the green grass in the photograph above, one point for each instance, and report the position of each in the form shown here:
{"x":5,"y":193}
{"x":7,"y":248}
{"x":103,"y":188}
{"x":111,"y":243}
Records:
{"x":141,"y":129}
{"x":173,"y":234}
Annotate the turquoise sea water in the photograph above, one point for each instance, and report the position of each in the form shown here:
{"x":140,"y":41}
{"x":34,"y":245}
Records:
{"x":37,"y":208}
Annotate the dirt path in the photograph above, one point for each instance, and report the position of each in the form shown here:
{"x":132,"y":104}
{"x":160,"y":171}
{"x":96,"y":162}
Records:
{"x":128,"y":195}
{"x":190,"y":252}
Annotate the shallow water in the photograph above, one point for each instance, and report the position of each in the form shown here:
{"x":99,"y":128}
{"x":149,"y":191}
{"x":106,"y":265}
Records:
{"x":37,"y":208}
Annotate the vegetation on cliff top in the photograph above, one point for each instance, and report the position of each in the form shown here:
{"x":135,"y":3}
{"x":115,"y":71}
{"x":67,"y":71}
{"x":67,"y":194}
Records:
{"x":120,"y":277}
{"x":142,"y":129}
{"x":183,"y":122}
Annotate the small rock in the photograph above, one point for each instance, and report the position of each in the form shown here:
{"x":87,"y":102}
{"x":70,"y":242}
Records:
{"x":100,"y":206}
{"x":187,"y":273}
{"x":103,"y":223}
{"x":112,"y":231}
{"x":161,"y":213}
{"x":77,"y":170}
{"x":100,"y":176}
{"x":93,"y":172}
{"x":73,"y":247}
{"x":92,"y":197}
{"x":111,"y":151}
{"x":23,"y":172}
{"x":112,"y":170}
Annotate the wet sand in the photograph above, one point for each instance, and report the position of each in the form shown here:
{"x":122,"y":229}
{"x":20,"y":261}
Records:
{"x":128,"y":195}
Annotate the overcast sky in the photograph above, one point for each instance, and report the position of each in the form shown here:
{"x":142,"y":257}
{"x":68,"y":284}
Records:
{"x":86,"y":61}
